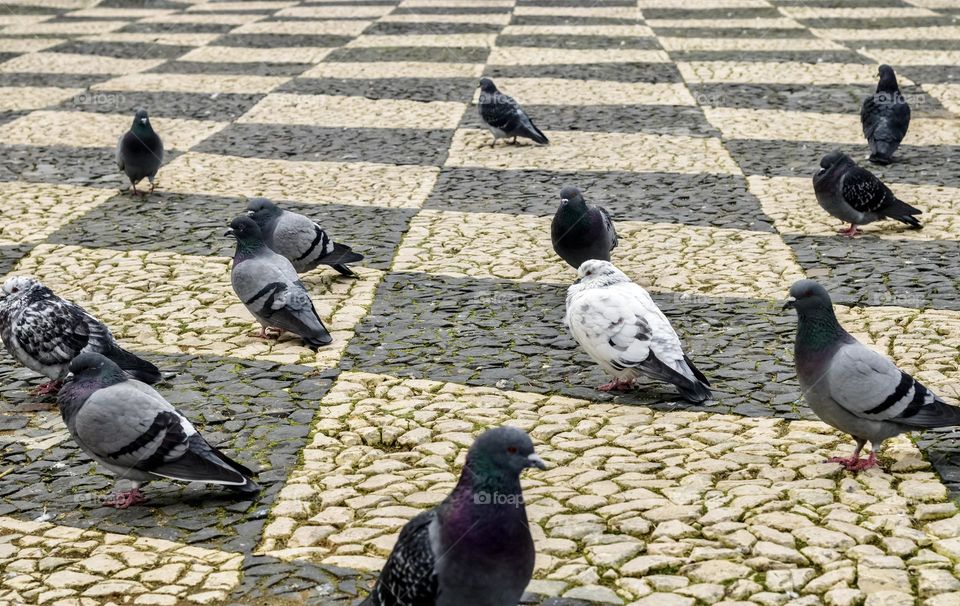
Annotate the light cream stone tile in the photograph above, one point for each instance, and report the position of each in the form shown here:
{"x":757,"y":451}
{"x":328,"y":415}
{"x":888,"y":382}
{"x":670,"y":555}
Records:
{"x":519,"y":55}
{"x":611,"y":12}
{"x":357,"y":183}
{"x":594,"y":151}
{"x":115,"y":12}
{"x":68,"y":63}
{"x":759,"y":23}
{"x":200,"y":18}
{"x":216,"y":7}
{"x":27,"y":45}
{"x":427,"y":40}
{"x":13,"y":19}
{"x":659,"y":256}
{"x":354,"y":112}
{"x":232,"y":54}
{"x":456,"y":3}
{"x":748,"y":44}
{"x":91,"y":129}
{"x":629,"y":30}
{"x":355,"y":11}
{"x":937,"y":32}
{"x":17,"y":98}
{"x":33,"y":211}
{"x":703,"y":4}
{"x":61,"y":28}
{"x":556,"y":91}
{"x":902,"y":56}
{"x":756,"y":72}
{"x":486,"y":18}
{"x":859,"y":12}
{"x":394,"y":69}
{"x":193,"y":83}
{"x":336,"y":27}
{"x":947,"y":94}
{"x":791,"y":203}
{"x":65,"y":4}
{"x":934,"y":4}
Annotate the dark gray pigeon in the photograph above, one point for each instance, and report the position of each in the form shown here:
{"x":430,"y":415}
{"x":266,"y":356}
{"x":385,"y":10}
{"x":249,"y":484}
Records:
{"x":853,"y":194}
{"x":885,"y":117}
{"x":44,"y":332}
{"x":130,"y":429}
{"x":474,"y":547}
{"x":140,"y":151}
{"x":504,"y":116}
{"x":269,"y":286}
{"x":852,"y":387}
{"x":580,"y":232}
{"x":300,"y":239}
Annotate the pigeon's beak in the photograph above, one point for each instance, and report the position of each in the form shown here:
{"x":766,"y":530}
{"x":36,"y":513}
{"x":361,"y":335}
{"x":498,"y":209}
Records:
{"x":229,"y":233}
{"x":791,"y":303}
{"x":534,"y":460}
{"x":143,"y":120}
{"x":68,"y":377}
{"x":578,"y":280}
{"x":249,"y":213}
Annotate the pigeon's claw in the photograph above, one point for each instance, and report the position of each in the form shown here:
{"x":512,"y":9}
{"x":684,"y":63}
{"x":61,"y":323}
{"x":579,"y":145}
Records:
{"x":616,"y":385}
{"x":50,"y":387}
{"x":122,"y":500}
{"x":850,"y":232}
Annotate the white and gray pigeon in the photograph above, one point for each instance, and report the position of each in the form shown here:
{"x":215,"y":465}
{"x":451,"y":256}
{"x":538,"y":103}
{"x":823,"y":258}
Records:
{"x":475,"y":546}
{"x":581,"y":232}
{"x":854,"y":195}
{"x":45,"y":332}
{"x":268,"y":285}
{"x":300,"y":239}
{"x":853,"y":388}
{"x":622,"y":329}
{"x":140,"y":151}
{"x":130,"y":429}
{"x":885,"y":117}
{"x":504,"y":116}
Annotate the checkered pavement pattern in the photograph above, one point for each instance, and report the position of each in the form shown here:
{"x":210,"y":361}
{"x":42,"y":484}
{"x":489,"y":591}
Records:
{"x":698,"y":124}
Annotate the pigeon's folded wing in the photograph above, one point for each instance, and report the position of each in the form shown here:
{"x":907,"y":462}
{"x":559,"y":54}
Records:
{"x":409,"y":576}
{"x":608,"y":226}
{"x":608,"y":328}
{"x":864,"y":192}
{"x":63,"y":332}
{"x":299,"y":239}
{"x":503,"y":113}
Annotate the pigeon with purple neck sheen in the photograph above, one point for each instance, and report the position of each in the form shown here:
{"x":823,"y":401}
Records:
{"x":271,"y":290}
{"x":885,"y":117}
{"x":130,"y":429}
{"x":581,"y":232}
{"x":504,"y":117}
{"x":140,"y":152}
{"x":475,"y":546}
{"x":853,"y":388}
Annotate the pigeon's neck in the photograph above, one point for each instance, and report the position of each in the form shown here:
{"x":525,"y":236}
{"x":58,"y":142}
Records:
{"x":483,"y":504}
{"x":888,"y":84}
{"x":142,"y":130}
{"x":248,"y":248}
{"x":818,"y":330}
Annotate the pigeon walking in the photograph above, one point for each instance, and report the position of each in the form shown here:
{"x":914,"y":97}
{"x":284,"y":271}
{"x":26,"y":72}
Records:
{"x":504,"y":116}
{"x":300,"y":239}
{"x":130,"y":429}
{"x":269,"y":287}
{"x":580,"y":232}
{"x":140,"y":152}
{"x":852,"y":387}
{"x":624,"y":331}
{"x":475,"y":546}
{"x":44,"y":332}
{"x":853,"y":194}
{"x":885,"y":117}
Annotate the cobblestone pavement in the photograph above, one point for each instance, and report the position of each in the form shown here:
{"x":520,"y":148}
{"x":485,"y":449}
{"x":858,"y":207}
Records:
{"x":696,"y":123}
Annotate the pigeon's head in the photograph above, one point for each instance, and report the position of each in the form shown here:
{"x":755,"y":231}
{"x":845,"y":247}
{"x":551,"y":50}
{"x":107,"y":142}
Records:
{"x":806,"y":295}
{"x":87,"y":366}
{"x":18,"y":284}
{"x":261,"y":210}
{"x":503,"y":449}
{"x":244,"y":229}
{"x":831,"y":161}
{"x":888,"y":79}
{"x":487,"y":86}
{"x":572,"y":196}
{"x":594,"y":273}
{"x":141,"y":119}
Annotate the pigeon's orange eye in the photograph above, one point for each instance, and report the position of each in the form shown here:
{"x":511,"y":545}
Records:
{"x":512,"y":449}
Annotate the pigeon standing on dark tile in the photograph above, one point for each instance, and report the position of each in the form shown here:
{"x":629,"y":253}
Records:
{"x":300,"y":239}
{"x":853,"y":388}
{"x":504,"y":116}
{"x":853,"y":194}
{"x":475,"y":546}
{"x":581,"y":232}
{"x":270,"y":288}
{"x":130,"y":429}
{"x":140,"y":151}
{"x":885,"y":117}
{"x":44,"y":333}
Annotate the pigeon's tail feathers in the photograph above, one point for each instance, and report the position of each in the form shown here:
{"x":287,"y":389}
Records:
{"x":536,"y":134}
{"x":881,"y":151}
{"x":693,"y":389}
{"x":909,"y":220}
{"x":203,"y":463}
{"x":339,"y":257}
{"x":344,"y":270}
{"x":134,"y":365}
{"x":934,"y":414}
{"x":696,"y":371}
{"x":903,"y":212}
{"x":318,"y":339}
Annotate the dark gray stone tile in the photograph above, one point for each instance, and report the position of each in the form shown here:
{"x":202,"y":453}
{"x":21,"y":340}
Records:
{"x":932,"y":74}
{"x":820,"y":56}
{"x":406,"y":29}
{"x":770,"y":12}
{"x":411,"y":89}
{"x":91,"y":166}
{"x":10,"y":255}
{"x":568,"y":20}
{"x":468,"y":54}
{"x":208,"y":27}
{"x":58,"y":80}
{"x":617,"y":72}
{"x":240,"y":69}
{"x":198,"y":106}
{"x":281,"y":40}
{"x":573,"y":42}
{"x":730,"y":32}
{"x":878,"y":22}
{"x":124,"y":50}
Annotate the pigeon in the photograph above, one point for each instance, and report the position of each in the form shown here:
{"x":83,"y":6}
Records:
{"x":300,"y":239}
{"x":853,"y":194}
{"x":580,"y":232}
{"x":475,"y":546}
{"x":885,"y":117}
{"x":624,"y":331}
{"x":269,"y":287}
{"x":44,"y":332}
{"x":140,"y":151}
{"x":129,"y":428}
{"x":504,"y":116}
{"x":853,"y":388}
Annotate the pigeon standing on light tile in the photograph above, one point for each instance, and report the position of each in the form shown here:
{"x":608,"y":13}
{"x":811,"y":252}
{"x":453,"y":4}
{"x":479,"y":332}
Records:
{"x":853,"y":194}
{"x":44,"y":333}
{"x":853,"y":388}
{"x":624,"y":331}
{"x":885,"y":117}
{"x":580,"y":232}
{"x":475,"y":546}
{"x":140,"y":151}
{"x":300,"y":239}
{"x":130,"y":429}
{"x":270,"y":288}
{"x":504,"y":116}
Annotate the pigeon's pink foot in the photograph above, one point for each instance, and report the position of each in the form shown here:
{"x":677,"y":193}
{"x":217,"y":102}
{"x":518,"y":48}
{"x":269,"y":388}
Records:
{"x":616,"y":385}
{"x":850,"y":232}
{"x":266,"y":333}
{"x":122,"y":500}
{"x":855,"y":463}
{"x":50,"y":387}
